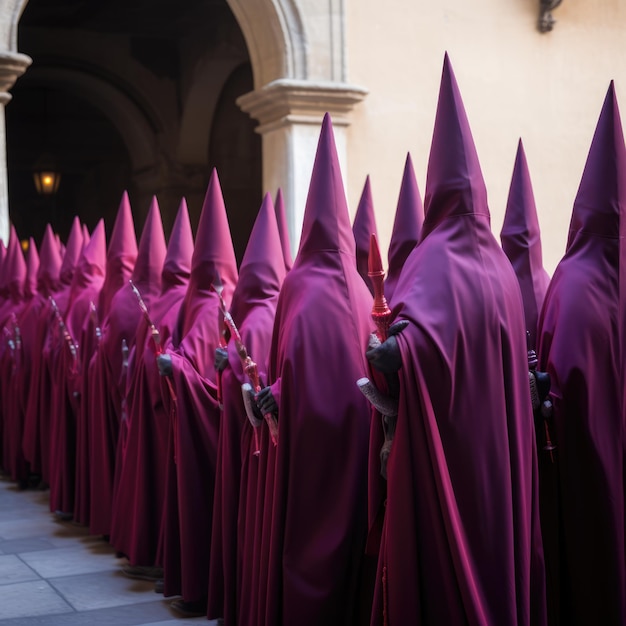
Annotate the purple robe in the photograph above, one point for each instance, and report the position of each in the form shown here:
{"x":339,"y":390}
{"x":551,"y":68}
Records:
{"x":319,"y":503}
{"x":253,"y":308}
{"x":581,"y":346}
{"x":461,"y":541}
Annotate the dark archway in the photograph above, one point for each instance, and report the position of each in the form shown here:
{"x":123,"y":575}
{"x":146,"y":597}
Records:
{"x":132,"y":89}
{"x":81,"y":143}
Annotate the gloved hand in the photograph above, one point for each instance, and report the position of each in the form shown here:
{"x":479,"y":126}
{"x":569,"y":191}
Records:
{"x":385,"y":357}
{"x":164,"y":363}
{"x":221,"y":359}
{"x":266,"y":402}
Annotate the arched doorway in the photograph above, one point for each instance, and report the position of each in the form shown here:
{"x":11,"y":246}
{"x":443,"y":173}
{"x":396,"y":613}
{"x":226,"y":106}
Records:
{"x":133,"y":91}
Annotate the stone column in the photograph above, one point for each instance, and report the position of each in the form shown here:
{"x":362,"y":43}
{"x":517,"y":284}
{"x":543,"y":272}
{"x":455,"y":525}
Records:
{"x":12,"y":66}
{"x":290,"y":113}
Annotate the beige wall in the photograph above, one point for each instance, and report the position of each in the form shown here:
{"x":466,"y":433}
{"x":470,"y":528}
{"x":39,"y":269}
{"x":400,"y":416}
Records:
{"x":516,"y":82}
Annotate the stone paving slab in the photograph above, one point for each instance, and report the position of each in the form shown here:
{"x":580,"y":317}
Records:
{"x":24,"y":545}
{"x":69,"y":561}
{"x":103,"y":590}
{"x":14,"y":570}
{"x":26,"y":599}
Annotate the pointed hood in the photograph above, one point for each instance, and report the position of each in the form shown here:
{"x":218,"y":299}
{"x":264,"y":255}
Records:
{"x":50,"y":261}
{"x":32,"y":267}
{"x":15,"y":269}
{"x":454,"y":183}
{"x":151,"y":252}
{"x":262,"y":268}
{"x":407,"y":226}
{"x":363,"y":227}
{"x":177,"y":264}
{"x":72,"y":252}
{"x":86,"y":235}
{"x":91,"y":266}
{"x":283,"y":229}
{"x":326,"y":224}
{"x":600,"y":204}
{"x":121,"y":254}
{"x":521,"y":242}
{"x":213,"y":256}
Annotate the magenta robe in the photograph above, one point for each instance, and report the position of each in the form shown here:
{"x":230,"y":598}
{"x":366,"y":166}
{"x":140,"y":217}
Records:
{"x":195,"y":411}
{"x":48,"y":277}
{"x":21,"y":326}
{"x":118,"y":320}
{"x":138,"y":506}
{"x":121,"y":324}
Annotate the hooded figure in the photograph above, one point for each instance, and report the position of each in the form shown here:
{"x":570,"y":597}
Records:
{"x":48,"y":283}
{"x":14,"y":276}
{"x":319,"y":504}
{"x":283,"y":229}
{"x":16,"y":388}
{"x":253,"y":309}
{"x":405,"y":235}
{"x":66,"y":401}
{"x":140,"y":493}
{"x":189,"y":367}
{"x":119,"y":332}
{"x":106,"y":366}
{"x":461,"y":542}
{"x":86,"y":287}
{"x":521,"y":242}
{"x":581,"y":346}
{"x":407,"y":227}
{"x":363,"y":227}
{"x":54,"y":343}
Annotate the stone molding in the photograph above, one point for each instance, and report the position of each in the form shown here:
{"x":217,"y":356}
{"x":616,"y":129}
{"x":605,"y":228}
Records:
{"x":285,"y":101}
{"x":12,"y":66}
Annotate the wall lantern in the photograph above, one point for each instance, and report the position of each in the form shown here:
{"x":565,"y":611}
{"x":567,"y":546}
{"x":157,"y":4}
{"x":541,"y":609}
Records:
{"x":47,"y":181}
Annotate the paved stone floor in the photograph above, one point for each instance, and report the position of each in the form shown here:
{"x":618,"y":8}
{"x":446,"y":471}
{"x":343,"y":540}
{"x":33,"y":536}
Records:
{"x":54,"y":573}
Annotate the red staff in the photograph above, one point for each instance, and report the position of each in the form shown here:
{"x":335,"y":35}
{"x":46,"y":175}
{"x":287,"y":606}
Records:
{"x":251,"y":370}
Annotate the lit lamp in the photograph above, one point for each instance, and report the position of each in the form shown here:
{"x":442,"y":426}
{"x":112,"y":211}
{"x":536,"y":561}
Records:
{"x":47,"y":182}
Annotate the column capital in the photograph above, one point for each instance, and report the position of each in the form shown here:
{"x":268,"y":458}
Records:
{"x":286,"y":101}
{"x":12,"y":66}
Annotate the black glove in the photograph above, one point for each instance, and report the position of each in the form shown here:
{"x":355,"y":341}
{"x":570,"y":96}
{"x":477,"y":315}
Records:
{"x":221,"y":359}
{"x":164,"y":363}
{"x":386,"y":357}
{"x":266,"y":402}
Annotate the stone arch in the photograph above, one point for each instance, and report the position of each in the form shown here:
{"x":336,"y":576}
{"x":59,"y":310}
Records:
{"x":276,"y":39}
